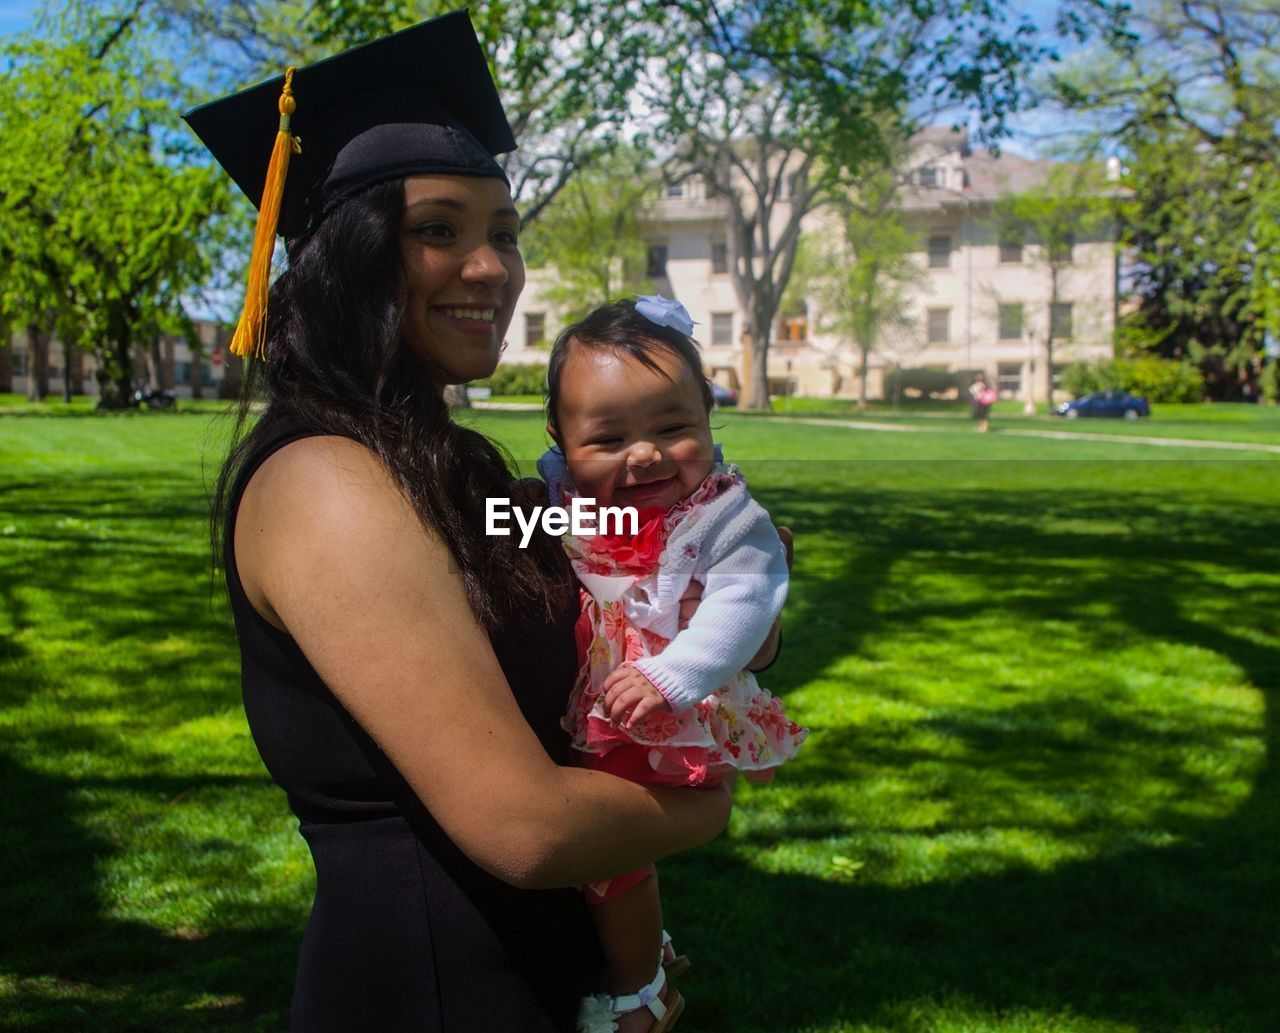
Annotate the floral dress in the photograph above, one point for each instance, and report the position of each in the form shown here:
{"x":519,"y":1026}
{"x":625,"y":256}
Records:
{"x":738,"y":725}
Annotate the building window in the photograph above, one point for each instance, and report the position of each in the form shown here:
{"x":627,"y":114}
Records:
{"x":721,"y":329}
{"x":795,"y":328}
{"x":1060,"y":320}
{"x":1060,"y":250}
{"x":675,"y":190}
{"x":1010,"y":249}
{"x":656,"y":263}
{"x":1009,"y":379}
{"x":940,"y":251}
{"x":182,"y":373}
{"x":535,"y":329}
{"x":928,"y":176}
{"x":1011,"y":322}
{"x":719,"y":257}
{"x":1058,"y":370}
{"x":939,"y":325}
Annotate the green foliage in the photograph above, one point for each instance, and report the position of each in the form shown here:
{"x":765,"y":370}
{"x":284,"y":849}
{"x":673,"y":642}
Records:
{"x":1075,"y":204}
{"x":106,"y":220}
{"x":514,"y":378}
{"x":1269,"y":382}
{"x":589,"y":235}
{"x":566,"y":70}
{"x":1154,"y":378}
{"x":862,"y":275}
{"x":1189,"y":102}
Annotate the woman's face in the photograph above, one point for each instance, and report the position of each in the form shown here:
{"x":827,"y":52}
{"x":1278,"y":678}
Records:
{"x":462,"y":273}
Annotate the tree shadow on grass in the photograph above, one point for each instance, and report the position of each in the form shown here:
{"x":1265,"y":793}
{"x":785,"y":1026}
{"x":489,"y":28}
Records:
{"x":137,"y":643}
{"x":76,"y":966}
{"x":1180,"y":935}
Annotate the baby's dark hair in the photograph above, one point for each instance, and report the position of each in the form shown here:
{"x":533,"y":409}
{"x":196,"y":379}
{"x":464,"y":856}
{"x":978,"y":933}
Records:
{"x":619,"y":326}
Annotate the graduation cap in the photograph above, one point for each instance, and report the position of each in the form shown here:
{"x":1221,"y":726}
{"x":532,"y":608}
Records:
{"x":416,"y":102}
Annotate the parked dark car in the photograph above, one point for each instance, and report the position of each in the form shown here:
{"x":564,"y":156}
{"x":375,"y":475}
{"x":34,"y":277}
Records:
{"x":724,"y":395}
{"x":1119,"y":404}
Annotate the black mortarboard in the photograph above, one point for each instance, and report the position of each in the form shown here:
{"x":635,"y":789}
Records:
{"x":417,"y":102}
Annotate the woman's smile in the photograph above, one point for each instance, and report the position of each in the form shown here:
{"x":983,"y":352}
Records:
{"x":462,"y":273}
{"x":472,"y":320}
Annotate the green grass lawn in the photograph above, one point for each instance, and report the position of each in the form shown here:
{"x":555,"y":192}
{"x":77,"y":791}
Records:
{"x":1219,"y":421}
{"x":1041,"y":791}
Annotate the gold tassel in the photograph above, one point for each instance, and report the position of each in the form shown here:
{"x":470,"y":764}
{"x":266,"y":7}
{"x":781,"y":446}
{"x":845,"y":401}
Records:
{"x":250,"y":335}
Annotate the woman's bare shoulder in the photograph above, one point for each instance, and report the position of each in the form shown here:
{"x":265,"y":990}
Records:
{"x":319,"y":503}
{"x":320,"y":482}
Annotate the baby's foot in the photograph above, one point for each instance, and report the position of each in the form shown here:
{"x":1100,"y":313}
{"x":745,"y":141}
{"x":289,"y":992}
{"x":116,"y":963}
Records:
{"x":675,"y":965}
{"x":642,"y":1019}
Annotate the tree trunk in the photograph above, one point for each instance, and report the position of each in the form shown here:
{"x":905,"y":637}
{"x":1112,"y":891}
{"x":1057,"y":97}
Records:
{"x":124,"y":370}
{"x":37,"y":363}
{"x":115,"y":373}
{"x":6,"y":360}
{"x":455,"y":396}
{"x":155,"y":356}
{"x":1048,"y":337}
{"x":865,"y":351}
{"x":756,"y":390}
{"x":195,"y":348}
{"x":1048,"y":369}
{"x":73,"y":360}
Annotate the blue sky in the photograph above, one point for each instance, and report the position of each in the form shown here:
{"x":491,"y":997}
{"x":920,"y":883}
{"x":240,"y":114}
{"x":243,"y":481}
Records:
{"x":19,"y":15}
{"x":16,"y":15}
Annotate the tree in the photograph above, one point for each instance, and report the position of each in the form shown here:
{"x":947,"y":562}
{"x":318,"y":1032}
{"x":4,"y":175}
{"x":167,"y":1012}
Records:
{"x":565,"y":69}
{"x":765,"y":99}
{"x":1189,"y":101}
{"x":777,"y":104}
{"x":1074,"y":204}
{"x":106,"y":222}
{"x":863,"y":278}
{"x":590,"y":234}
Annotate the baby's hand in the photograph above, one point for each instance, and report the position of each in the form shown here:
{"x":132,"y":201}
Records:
{"x":629,"y":696}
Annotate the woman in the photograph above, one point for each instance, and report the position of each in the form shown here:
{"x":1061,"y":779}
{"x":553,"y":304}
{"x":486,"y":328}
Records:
{"x":404,"y":675}
{"x":982,"y":397}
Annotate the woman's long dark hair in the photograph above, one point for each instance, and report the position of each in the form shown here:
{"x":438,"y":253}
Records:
{"x":335,"y":364}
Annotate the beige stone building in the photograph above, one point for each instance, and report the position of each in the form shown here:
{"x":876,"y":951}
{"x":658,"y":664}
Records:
{"x":982,"y":303}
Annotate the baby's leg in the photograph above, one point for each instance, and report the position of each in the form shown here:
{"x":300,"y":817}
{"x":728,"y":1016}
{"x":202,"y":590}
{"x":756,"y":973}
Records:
{"x":630,"y":930}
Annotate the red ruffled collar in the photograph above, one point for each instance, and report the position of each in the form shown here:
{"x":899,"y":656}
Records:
{"x":639,"y":554}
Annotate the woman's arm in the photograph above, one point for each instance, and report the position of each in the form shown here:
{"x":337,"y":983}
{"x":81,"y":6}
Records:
{"x":329,"y":550}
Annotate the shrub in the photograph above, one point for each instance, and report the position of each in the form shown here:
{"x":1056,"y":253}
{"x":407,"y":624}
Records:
{"x":1269,"y":382}
{"x":1154,"y":378}
{"x":1080,"y":378}
{"x":528,"y":378}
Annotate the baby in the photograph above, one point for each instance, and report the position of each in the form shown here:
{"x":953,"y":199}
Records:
{"x":662,"y":696}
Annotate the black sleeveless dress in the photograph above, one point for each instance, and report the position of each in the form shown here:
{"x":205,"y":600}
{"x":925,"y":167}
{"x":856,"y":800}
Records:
{"x":405,"y":932}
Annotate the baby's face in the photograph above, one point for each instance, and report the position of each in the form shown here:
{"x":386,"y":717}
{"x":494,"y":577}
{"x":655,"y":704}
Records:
{"x":632,"y":436}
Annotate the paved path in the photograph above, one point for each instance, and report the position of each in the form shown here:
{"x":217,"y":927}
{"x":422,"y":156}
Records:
{"x":1059,"y":435}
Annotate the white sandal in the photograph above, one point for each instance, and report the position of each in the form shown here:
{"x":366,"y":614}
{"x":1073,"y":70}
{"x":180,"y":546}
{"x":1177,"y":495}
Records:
{"x":599,"y":1011}
{"x":678,"y":964}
